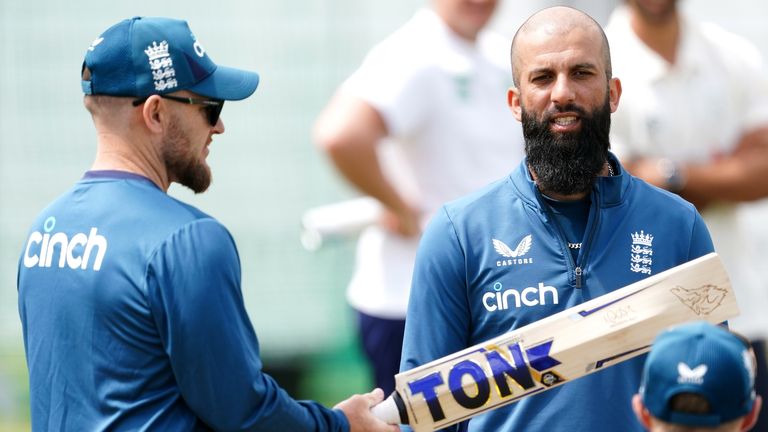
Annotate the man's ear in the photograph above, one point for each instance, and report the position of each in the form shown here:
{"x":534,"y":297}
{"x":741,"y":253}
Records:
{"x":513,"y":100}
{"x":751,"y":418}
{"x":154,"y":114}
{"x":614,"y":90}
{"x":643,"y":416}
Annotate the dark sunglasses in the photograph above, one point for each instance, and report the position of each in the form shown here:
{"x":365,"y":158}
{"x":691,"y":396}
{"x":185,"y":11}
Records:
{"x":212,"y":107}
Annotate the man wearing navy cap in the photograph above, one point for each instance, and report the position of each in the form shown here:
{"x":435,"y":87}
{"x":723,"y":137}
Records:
{"x":698,"y":377}
{"x":130,"y":300}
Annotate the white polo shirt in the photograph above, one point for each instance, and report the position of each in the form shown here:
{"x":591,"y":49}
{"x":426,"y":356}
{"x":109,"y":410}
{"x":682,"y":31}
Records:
{"x":696,"y":110}
{"x":444,"y":103}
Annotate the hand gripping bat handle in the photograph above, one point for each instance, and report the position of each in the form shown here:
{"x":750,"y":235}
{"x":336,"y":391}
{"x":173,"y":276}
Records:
{"x":391,"y":410}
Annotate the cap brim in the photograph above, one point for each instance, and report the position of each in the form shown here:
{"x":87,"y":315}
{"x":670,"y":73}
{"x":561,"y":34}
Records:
{"x":227,"y":83}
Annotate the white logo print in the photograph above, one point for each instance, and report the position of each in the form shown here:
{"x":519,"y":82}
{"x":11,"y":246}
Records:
{"x":199,"y":49}
{"x":75,"y":251}
{"x":691,"y":376}
{"x":94,"y":43}
{"x":499,"y":299}
{"x":642,"y":250}
{"x":522,"y":248}
{"x":163,"y":73}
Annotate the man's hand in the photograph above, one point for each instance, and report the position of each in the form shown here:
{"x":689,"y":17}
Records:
{"x":358,"y":411}
{"x":404,"y":222}
{"x":653,"y":171}
{"x":648,"y":169}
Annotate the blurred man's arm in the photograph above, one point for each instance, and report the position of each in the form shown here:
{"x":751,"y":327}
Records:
{"x":739,"y":176}
{"x":349,"y":130}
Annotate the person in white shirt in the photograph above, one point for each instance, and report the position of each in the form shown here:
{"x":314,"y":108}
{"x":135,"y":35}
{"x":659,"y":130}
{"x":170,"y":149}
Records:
{"x":423,"y":120}
{"x":694,"y":120}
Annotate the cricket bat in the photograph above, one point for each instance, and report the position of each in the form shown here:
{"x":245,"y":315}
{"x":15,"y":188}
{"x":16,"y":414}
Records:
{"x":560,"y":348}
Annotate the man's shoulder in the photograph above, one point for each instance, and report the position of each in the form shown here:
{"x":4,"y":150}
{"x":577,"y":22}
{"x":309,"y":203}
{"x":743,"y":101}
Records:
{"x":618,"y":28}
{"x":125,"y":209}
{"x":172,"y":218}
{"x":416,"y":35}
{"x":425,"y":41}
{"x":495,"y":197}
{"x":730,"y":46}
{"x":162,"y":209}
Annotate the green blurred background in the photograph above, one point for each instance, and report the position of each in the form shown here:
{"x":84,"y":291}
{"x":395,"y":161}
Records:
{"x":266,"y":170}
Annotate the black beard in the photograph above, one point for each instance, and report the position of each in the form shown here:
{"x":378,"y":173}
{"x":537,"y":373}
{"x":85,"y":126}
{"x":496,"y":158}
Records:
{"x":567,"y":163}
{"x":183,"y":167}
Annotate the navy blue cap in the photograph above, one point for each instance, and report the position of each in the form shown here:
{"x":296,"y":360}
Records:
{"x":703,"y":359}
{"x":142,"y":56}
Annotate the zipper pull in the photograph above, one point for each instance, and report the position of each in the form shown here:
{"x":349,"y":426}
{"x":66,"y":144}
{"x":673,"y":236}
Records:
{"x":579,"y":272}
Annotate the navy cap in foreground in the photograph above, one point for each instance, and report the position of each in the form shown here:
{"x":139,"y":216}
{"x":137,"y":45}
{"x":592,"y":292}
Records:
{"x":702,"y":359}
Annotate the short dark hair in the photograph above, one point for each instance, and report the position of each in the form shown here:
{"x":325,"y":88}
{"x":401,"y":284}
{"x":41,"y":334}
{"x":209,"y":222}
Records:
{"x":690,"y":403}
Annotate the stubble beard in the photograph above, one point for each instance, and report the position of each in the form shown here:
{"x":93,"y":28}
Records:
{"x":567,"y":163}
{"x":182,"y":165}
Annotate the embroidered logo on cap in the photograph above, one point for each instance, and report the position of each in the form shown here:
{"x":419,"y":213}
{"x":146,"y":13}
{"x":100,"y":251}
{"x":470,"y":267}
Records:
{"x":163,"y":73}
{"x":691,"y":376}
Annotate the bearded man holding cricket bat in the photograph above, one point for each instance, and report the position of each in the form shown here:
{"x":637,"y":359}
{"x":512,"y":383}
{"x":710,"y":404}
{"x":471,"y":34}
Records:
{"x":568,"y":225}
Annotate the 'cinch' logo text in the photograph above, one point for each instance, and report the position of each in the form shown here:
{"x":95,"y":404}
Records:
{"x":531,"y":296}
{"x":76,"y":252}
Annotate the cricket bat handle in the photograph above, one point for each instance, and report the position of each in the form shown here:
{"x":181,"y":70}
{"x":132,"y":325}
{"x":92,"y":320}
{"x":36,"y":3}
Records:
{"x":343,"y":219}
{"x":391,"y":410}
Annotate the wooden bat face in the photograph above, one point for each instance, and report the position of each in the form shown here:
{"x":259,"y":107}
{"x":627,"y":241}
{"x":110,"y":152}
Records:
{"x":564,"y":346}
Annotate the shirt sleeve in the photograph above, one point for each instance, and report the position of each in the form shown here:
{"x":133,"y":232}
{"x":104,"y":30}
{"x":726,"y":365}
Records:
{"x":398,"y":88}
{"x":748,"y":75}
{"x":437,"y":323}
{"x":193,"y":282}
{"x":701,"y":241}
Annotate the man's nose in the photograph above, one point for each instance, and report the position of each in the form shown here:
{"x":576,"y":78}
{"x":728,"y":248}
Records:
{"x":219,"y":128}
{"x":562,"y":91}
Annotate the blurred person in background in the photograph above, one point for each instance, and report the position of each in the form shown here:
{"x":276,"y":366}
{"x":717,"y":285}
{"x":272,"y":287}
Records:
{"x":130,"y":300}
{"x":694,"y":120}
{"x":698,"y":377}
{"x":422,"y":121}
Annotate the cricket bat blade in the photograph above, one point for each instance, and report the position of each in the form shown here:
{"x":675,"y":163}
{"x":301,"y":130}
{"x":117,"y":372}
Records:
{"x":583,"y":339}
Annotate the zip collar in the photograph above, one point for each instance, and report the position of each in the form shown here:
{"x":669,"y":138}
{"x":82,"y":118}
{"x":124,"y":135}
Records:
{"x":612,"y":190}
